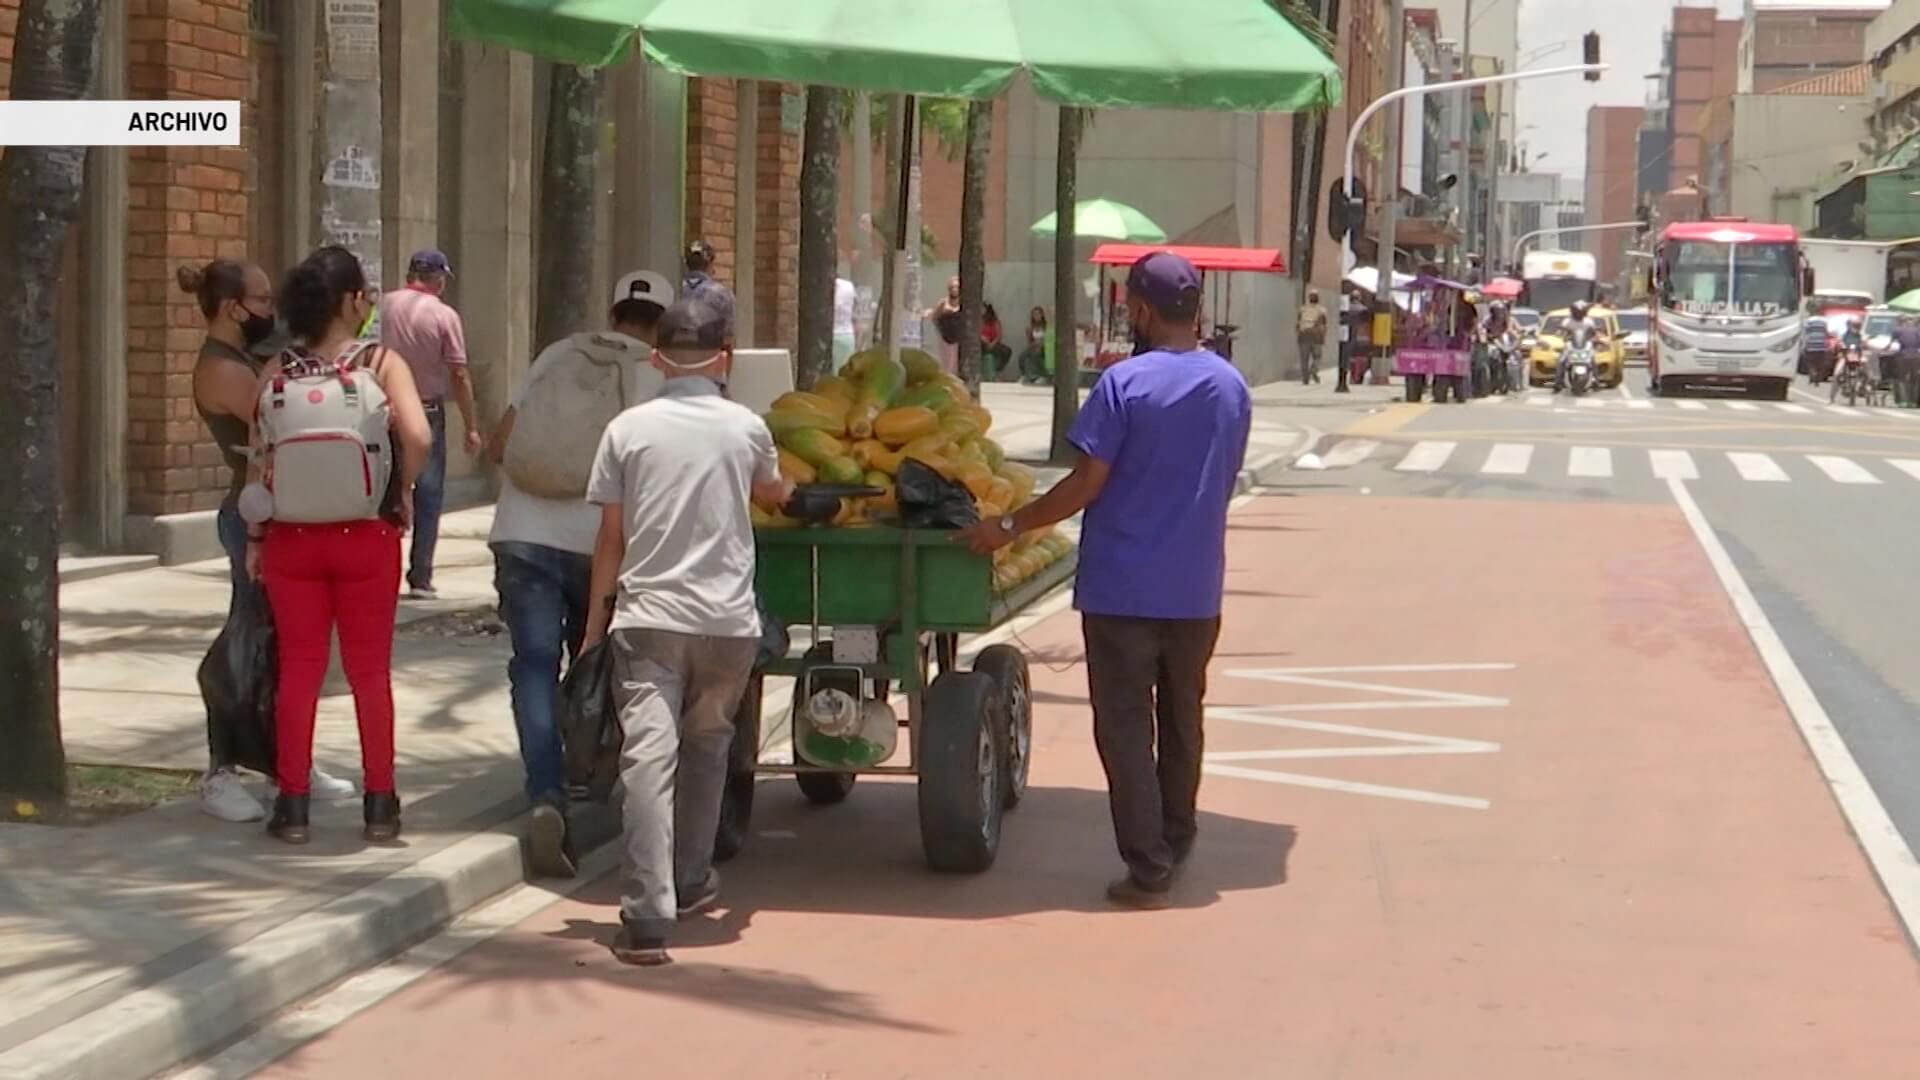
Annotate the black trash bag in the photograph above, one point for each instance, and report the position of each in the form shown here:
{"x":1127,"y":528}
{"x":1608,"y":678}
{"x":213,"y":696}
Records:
{"x":931,"y":501}
{"x":238,"y":680}
{"x":774,"y":641}
{"x":590,"y":723}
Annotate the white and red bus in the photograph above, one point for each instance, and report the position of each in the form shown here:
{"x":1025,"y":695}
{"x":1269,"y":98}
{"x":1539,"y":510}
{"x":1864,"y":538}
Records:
{"x":1726,"y":307}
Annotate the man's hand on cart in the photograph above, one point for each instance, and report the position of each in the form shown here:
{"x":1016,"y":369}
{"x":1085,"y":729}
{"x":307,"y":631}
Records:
{"x":1062,"y":501}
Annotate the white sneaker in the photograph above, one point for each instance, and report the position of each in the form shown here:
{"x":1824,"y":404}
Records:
{"x":223,"y":796}
{"x":321,"y":785}
{"x":324,"y":785}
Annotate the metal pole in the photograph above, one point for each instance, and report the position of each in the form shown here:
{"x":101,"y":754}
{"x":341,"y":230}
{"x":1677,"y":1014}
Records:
{"x":1463,"y":173}
{"x":1491,"y":243}
{"x":1360,"y":122}
{"x":1378,"y":367}
{"x":1520,"y":244}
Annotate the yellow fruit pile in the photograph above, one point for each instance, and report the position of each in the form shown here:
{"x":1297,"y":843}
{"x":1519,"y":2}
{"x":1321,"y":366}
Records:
{"x":857,"y":427}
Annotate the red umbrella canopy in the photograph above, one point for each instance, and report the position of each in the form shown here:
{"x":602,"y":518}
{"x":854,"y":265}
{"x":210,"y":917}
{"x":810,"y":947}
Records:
{"x":1504,"y":288}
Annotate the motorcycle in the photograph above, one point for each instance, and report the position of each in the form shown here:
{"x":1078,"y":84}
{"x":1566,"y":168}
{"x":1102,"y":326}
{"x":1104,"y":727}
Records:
{"x":1503,"y":363}
{"x":1852,"y":380}
{"x":1579,"y":362}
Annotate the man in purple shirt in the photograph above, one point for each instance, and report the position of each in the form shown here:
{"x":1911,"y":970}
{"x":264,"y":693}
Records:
{"x":1161,"y":442}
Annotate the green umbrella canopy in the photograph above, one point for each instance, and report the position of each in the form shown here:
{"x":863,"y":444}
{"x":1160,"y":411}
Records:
{"x":1239,"y":55}
{"x":1906,"y":301}
{"x":1104,"y":219}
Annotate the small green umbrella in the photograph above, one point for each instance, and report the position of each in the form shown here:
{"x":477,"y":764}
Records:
{"x":1104,"y":219}
{"x":1906,"y":301}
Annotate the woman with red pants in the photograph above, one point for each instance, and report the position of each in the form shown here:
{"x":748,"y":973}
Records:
{"x":336,"y":574}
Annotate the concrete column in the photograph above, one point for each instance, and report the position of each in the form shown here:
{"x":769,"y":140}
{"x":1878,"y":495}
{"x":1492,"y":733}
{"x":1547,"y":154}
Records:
{"x":496,"y":220}
{"x":106,"y":293}
{"x":300,"y":37}
{"x":746,"y":215}
{"x":412,"y":144}
{"x":347,"y":201}
{"x":666,"y":170}
{"x":627,"y":104}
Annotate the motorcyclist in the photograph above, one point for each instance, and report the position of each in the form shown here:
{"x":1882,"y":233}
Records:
{"x":1579,"y":317}
{"x":1493,"y":332}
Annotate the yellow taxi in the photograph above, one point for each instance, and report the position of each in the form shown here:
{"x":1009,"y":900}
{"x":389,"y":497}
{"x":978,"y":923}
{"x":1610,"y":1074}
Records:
{"x":1609,"y":365}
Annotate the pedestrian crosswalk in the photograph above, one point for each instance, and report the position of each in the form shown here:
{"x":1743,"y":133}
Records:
{"x":1595,"y":463}
{"x":1540,"y":399}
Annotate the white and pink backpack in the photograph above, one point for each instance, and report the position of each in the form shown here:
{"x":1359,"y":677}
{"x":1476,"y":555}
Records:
{"x":327,"y":431}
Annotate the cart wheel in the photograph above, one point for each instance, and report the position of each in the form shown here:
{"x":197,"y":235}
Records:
{"x":961,"y":803}
{"x":825,"y":788}
{"x":1008,"y":666}
{"x":736,"y":802}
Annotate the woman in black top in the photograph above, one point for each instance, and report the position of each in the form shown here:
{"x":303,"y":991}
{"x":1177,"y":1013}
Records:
{"x":236,"y":299}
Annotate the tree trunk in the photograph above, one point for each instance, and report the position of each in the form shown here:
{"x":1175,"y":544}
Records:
{"x":819,"y":251}
{"x":973,"y":228}
{"x":1066,"y":286}
{"x":895,"y":206}
{"x":40,"y":189}
{"x":569,"y":170}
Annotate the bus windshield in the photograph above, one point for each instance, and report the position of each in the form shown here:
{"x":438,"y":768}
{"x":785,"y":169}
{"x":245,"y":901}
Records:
{"x":1707,"y":277}
{"x":1553,"y":293}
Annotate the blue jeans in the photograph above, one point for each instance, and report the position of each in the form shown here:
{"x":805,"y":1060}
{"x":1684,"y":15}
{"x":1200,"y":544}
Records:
{"x":429,"y":496}
{"x":543,"y":601}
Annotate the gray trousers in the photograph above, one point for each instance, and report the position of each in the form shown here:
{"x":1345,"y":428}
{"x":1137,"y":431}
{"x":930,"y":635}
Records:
{"x":1147,"y":679}
{"x":677,"y":694}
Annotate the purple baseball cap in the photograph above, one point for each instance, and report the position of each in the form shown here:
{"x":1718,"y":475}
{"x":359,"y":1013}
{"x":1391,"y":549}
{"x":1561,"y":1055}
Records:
{"x":1166,"y":281}
{"x":429,"y":261}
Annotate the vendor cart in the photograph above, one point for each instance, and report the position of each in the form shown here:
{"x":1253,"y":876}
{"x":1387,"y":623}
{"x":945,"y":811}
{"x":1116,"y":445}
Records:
{"x":887,"y":607}
{"x":1216,"y":265}
{"x":1436,"y":332}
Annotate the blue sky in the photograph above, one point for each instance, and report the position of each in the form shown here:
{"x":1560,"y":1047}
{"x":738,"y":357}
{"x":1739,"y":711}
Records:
{"x":1630,"y":32}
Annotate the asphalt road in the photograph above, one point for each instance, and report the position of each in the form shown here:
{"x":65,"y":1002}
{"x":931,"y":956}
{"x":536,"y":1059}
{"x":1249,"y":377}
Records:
{"x":1817,"y":505}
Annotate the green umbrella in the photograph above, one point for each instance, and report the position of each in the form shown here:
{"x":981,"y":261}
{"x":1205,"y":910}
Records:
{"x":1104,"y":219}
{"x":1239,"y":55}
{"x":1906,"y":301}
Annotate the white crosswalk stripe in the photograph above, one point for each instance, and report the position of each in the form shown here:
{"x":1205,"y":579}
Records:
{"x":1426,"y":457}
{"x":1906,"y":465}
{"x":1842,"y":470}
{"x":1673,"y":465}
{"x":1594,"y":462}
{"x":1350,"y":453}
{"x":1757,"y":467}
{"x":1691,"y":406}
{"x":1743,"y":406}
{"x":1846,"y":411}
{"x":1788,"y":406}
{"x":1508,"y":459}
{"x":1537,"y":399}
{"x":1900,"y":414}
{"x":1591,"y":403}
{"x":1639,"y":403}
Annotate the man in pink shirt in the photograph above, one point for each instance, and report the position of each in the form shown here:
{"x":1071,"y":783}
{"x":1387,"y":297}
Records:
{"x":416,"y":323}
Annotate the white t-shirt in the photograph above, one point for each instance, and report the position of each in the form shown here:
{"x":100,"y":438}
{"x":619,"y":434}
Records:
{"x":565,"y":524}
{"x":845,"y":296}
{"x":682,"y":468}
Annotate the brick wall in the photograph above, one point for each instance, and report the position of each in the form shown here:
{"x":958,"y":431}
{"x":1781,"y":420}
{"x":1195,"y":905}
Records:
{"x":712,"y":145}
{"x":9,"y":17}
{"x":776,"y":272}
{"x":185,"y":205}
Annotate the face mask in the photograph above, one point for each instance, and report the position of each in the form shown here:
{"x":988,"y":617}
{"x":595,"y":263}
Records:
{"x":256,"y":328}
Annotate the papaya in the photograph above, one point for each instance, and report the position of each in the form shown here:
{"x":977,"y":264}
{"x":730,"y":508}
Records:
{"x":999,"y":492}
{"x":774,"y":521}
{"x":813,"y":446}
{"x":783,"y":422}
{"x":882,"y":460}
{"x":992,"y":511}
{"x":841,"y":470}
{"x":977,"y":477}
{"x":958,"y":387}
{"x":835,"y":387}
{"x":901,"y":425}
{"x":885,"y":503}
{"x":968,"y":451}
{"x":1005,"y":578}
{"x":1021,"y":478}
{"x":849,"y":512}
{"x":981,"y":416}
{"x":757,"y":515}
{"x":866,"y":450}
{"x":937,"y":396}
{"x":996,"y":456}
{"x":795,"y":469}
{"x":801,"y":400}
{"x":919,"y":365}
{"x":927,"y":448}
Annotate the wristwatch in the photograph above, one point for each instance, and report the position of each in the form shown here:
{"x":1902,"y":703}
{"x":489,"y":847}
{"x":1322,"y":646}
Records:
{"x":1006,"y":524}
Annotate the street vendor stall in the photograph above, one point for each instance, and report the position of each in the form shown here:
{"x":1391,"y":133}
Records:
{"x":1216,"y":266}
{"x":888,"y":602}
{"x":1435,"y":333}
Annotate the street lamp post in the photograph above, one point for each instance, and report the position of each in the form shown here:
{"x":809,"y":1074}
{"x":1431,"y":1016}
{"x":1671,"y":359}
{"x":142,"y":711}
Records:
{"x":1520,"y":245}
{"x":1347,"y":258}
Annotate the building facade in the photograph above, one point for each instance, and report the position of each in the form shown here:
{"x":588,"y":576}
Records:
{"x":1789,"y":41}
{"x":1612,"y":183}
{"x":1768,"y":155}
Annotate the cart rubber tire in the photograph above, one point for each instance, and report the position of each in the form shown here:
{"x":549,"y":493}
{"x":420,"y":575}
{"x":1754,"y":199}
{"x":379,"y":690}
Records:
{"x":1008,"y":667}
{"x":736,"y":801}
{"x":825,"y":788}
{"x":961,"y":805}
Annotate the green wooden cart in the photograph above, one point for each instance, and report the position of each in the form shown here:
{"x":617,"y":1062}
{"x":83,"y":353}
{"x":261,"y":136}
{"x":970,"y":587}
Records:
{"x":887,"y":607}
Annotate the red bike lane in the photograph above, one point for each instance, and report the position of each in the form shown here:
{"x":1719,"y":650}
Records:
{"x":1467,"y":817}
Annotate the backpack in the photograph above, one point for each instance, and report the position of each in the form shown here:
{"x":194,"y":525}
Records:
{"x":327,"y":430}
{"x":560,"y":417}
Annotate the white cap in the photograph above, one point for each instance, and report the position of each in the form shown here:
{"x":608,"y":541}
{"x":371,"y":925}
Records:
{"x":644,"y":285}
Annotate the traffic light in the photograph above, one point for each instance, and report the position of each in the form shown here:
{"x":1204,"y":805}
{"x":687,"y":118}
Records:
{"x":1644,"y":214}
{"x":1591,"y":45}
{"x":1345,"y":216}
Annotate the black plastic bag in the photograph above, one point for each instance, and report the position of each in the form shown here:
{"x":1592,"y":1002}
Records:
{"x":238,"y":679}
{"x":590,"y":723}
{"x":931,"y":501}
{"x":774,"y":641}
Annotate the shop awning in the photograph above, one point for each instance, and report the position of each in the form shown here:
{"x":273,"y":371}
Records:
{"x":1237,"y":55}
{"x":1229,"y":259}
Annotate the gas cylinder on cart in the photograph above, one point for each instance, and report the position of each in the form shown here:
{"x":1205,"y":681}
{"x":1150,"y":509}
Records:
{"x":837,"y":730}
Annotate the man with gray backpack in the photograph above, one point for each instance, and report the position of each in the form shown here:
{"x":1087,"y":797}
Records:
{"x":544,"y":529}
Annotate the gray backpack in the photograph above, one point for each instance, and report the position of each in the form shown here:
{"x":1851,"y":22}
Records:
{"x":327,"y":430}
{"x":562,"y":414}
